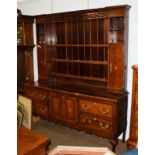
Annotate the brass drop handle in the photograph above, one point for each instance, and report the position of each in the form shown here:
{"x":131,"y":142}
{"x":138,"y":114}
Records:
{"x":106,"y":126}
{"x":85,"y":107}
{"x":26,"y":78}
{"x":104,"y":110}
{"x":42,"y":109}
{"x":95,"y":119}
{"x":42,"y":97}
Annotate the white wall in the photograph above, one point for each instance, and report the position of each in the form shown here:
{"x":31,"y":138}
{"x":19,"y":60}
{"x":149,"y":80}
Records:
{"x":35,"y":7}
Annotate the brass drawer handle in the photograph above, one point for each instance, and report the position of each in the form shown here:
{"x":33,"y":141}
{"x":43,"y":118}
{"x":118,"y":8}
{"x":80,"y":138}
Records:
{"x":42,"y":97}
{"x":26,"y":78}
{"x":104,"y":110}
{"x":104,"y":126}
{"x":85,"y":107}
{"x":95,"y":119}
{"x":42,"y":109}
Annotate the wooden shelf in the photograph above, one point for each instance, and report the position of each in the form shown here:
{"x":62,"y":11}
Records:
{"x":79,"y":77}
{"x":77,"y":45}
{"x":83,"y":45}
{"x":79,"y":61}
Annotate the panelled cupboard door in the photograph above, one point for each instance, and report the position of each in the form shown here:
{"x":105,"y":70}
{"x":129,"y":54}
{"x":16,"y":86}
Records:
{"x":63,"y":107}
{"x":28,"y":33}
{"x":29,"y":65}
{"x":25,"y":33}
{"x":116,"y":67}
{"x":55,"y":110}
{"x":70,"y":109}
{"x":24,"y":65}
{"x":42,"y":70}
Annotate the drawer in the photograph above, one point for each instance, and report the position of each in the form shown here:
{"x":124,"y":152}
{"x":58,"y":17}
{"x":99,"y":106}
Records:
{"x":41,"y":110}
{"x":42,"y":97}
{"x":30,"y":93}
{"x":96,"y":124}
{"x":100,"y":108}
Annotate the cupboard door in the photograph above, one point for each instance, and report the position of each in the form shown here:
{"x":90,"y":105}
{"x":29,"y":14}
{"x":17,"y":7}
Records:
{"x":116,"y":69}
{"x":24,"y":34}
{"x":28,"y":33}
{"x":42,"y":67}
{"x":24,"y":65}
{"x":70,"y":109}
{"x":55,"y":106}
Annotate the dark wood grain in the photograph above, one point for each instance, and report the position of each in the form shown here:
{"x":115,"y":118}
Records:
{"x":82,"y":61}
{"x":30,"y":142}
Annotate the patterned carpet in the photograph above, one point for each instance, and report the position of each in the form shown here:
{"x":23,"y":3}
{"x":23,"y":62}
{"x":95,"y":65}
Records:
{"x":61,"y":135}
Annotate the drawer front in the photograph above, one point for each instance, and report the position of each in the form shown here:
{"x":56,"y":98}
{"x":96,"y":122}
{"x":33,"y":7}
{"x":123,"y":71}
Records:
{"x":30,"y":93}
{"x":93,"y":107}
{"x":41,"y":110}
{"x":42,"y":97}
{"x":70,"y":109}
{"x":55,"y":106}
{"x":96,"y":124}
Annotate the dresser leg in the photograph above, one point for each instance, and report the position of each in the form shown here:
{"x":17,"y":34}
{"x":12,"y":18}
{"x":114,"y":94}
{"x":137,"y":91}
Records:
{"x":113,"y":143}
